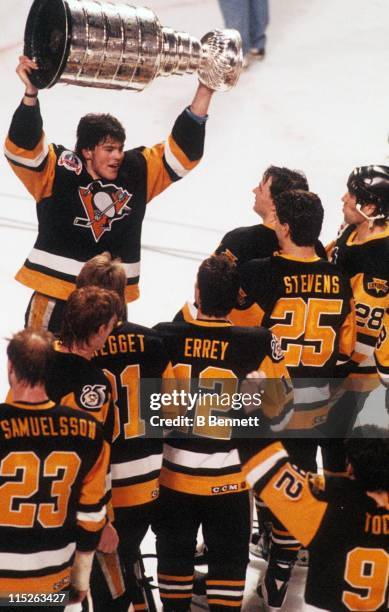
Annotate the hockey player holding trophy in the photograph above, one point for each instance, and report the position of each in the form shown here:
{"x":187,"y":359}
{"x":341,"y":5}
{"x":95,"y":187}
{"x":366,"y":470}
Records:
{"x":93,"y":198}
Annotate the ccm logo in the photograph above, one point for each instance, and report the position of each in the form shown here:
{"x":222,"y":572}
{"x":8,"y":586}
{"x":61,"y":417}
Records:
{"x":225,"y":488}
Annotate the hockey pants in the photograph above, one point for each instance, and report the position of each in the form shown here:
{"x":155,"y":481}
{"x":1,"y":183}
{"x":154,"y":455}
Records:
{"x":225,"y":522}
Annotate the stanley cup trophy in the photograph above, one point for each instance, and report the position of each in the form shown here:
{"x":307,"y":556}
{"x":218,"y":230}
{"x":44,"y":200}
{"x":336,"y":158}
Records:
{"x":119,"y":46}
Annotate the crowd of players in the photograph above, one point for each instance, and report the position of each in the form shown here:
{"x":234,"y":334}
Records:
{"x":274,"y":313}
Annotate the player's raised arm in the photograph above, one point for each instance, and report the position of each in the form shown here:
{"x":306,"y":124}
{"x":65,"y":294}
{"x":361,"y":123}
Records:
{"x":25,"y":148}
{"x":169,"y":161}
{"x":201,"y":101}
{"x":23,"y":70}
{"x":284,"y":489}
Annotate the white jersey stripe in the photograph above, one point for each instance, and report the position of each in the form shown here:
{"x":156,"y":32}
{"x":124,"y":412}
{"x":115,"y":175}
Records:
{"x":384,"y":376}
{"x":195,"y":460}
{"x":36,"y":561}
{"x":365,"y":349}
{"x":29,"y":163}
{"x":173,"y":162}
{"x":283,"y":423}
{"x":283,"y":540}
{"x":72,"y":266}
{"x":93,"y":517}
{"x":307,"y":395}
{"x":137,"y":467}
{"x":261,"y":470}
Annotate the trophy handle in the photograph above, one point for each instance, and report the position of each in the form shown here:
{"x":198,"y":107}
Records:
{"x":222,"y":59}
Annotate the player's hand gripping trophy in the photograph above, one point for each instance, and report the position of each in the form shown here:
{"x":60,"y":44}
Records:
{"x":119,"y":46}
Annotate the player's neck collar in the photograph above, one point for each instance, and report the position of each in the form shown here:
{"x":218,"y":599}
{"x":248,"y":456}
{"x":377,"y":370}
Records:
{"x":33,"y":405}
{"x":352,"y":239}
{"x":294,"y":258}
{"x":212,"y":322}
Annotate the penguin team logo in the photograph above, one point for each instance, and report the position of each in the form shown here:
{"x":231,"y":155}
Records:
{"x":70,"y":161}
{"x":103,"y":204}
{"x":276,"y":350}
{"x":93,"y":396}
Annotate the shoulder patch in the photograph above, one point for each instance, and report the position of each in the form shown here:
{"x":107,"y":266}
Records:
{"x":70,"y":161}
{"x":276,"y":351}
{"x":377,"y":286}
{"x":93,"y":396}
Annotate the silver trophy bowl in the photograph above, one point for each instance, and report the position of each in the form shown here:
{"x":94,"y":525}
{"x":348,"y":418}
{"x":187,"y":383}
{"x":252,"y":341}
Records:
{"x":119,"y":46}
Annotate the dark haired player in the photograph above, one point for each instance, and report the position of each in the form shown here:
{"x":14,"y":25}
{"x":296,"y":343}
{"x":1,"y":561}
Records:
{"x":94,"y":199}
{"x":304,"y":300}
{"x":259,"y":240}
{"x":361,"y":251}
{"x":136,"y":363}
{"x":88,"y":318}
{"x":307,"y":303}
{"x":201,"y":478}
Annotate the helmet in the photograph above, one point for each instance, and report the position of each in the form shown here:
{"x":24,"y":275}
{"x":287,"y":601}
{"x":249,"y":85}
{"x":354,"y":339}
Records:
{"x":370,"y":184}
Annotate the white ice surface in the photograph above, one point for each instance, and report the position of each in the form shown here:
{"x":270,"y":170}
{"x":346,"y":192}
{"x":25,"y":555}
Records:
{"x":317,"y":103}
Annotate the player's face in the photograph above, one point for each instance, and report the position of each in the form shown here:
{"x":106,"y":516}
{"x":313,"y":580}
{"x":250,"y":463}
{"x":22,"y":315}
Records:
{"x":105,"y":159}
{"x":350,"y":211}
{"x":263,"y":204}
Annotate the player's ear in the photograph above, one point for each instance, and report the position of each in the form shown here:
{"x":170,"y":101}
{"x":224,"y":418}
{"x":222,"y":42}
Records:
{"x":286,"y":229}
{"x":11,"y":374}
{"x":197,"y":295}
{"x":104,"y":331}
{"x":10,"y":367}
{"x":369,"y":209}
{"x":87,"y":154}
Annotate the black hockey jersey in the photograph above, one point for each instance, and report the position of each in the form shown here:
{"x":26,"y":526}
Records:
{"x":79,"y":217}
{"x":366,"y":264}
{"x":308,"y":304}
{"x":135,"y":361}
{"x":253,"y":242}
{"x":77,"y":382}
{"x":53,"y":464}
{"x":240,"y":246}
{"x":344,"y":529}
{"x":210,"y":358}
{"x":381,"y":352}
